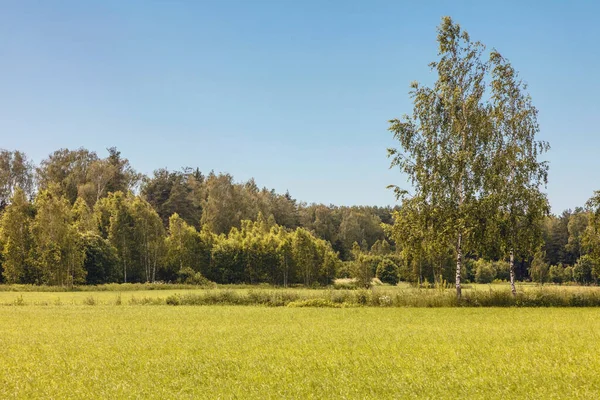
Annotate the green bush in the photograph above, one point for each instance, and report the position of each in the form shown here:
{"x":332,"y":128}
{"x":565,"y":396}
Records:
{"x":321,"y":303}
{"x":346,"y":283}
{"x":502,"y":269}
{"x":362,"y":297}
{"x":484,"y":271}
{"x":539,"y":269}
{"x":363,"y":271}
{"x":387,"y":272}
{"x":346,"y":270}
{"x":173,"y":300}
{"x":582,"y":271}
{"x":568,"y":274}
{"x":146,"y":300}
{"x":191,"y":277}
{"x":556,"y":274}
{"x":101,"y":260}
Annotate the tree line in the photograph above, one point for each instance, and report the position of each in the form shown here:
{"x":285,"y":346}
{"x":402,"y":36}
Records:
{"x":475,"y":211}
{"x":78,"y":218}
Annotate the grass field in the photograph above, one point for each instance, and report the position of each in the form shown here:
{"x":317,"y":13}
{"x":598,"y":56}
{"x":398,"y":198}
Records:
{"x":162,"y":352}
{"x":379,"y":296}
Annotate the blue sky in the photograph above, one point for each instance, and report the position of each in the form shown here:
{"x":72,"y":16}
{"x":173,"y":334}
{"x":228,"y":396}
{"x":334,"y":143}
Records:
{"x":296,"y":94}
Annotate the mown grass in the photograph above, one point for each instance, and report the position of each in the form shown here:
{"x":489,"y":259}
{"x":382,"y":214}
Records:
{"x":228,"y":352}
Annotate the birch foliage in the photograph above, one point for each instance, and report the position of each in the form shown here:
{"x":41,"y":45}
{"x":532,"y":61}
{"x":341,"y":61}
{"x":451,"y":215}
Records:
{"x":445,"y":143}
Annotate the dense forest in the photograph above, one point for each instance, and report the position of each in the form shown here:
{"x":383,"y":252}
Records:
{"x":80,"y":218}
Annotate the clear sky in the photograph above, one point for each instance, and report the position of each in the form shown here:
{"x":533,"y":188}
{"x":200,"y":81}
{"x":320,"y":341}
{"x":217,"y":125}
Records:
{"x":296,"y":94}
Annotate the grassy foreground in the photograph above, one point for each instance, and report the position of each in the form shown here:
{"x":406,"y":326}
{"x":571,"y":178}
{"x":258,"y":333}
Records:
{"x":164,"y":352}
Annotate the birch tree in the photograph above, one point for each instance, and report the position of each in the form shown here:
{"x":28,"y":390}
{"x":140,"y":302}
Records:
{"x":445,"y":142}
{"x":121,"y":230}
{"x":58,"y":249}
{"x":16,"y":171}
{"x":16,"y":240}
{"x":149,"y":235}
{"x":304,"y":252}
{"x":183,"y":246}
{"x":591,"y":236}
{"x":423,"y":238}
{"x":98,"y":175}
{"x":284,"y":250}
{"x":516,"y":174}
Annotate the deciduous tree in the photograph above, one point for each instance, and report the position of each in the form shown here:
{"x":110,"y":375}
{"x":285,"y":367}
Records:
{"x":16,"y":171}
{"x":516,"y":173}
{"x":16,"y":240}
{"x":58,"y":249}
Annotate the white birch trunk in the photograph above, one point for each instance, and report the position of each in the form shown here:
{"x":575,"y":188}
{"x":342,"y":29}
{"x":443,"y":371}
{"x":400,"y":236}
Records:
{"x":458,"y":266}
{"x":512,"y":273}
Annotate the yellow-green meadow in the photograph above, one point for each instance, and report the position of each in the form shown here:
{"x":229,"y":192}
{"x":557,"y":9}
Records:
{"x":63,"y":345}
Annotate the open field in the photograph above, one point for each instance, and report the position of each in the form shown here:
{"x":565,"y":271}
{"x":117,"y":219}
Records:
{"x":257,"y":352}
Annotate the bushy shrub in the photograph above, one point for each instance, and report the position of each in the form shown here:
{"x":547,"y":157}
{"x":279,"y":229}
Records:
{"x":345,"y":269}
{"x":502,"y":269}
{"x":321,"y":303}
{"x":484,"y":271}
{"x":344,"y":283}
{"x":101,"y":262}
{"x":582,"y":271}
{"x":568,"y":274}
{"x":556,"y":274}
{"x":362,"y":272}
{"x":387,"y":272}
{"x":384,"y":300}
{"x":173,"y":300}
{"x":362,"y":297}
{"x":89,"y":301}
{"x":539,"y":269}
{"x":146,"y":300}
{"x":468,"y":270}
{"x":191,"y":277}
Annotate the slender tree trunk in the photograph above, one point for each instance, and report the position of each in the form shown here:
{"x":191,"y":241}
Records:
{"x":285,"y":272}
{"x":154,"y":270}
{"x":124,"y":262}
{"x":71,"y":272}
{"x":147,"y":260}
{"x":458,"y":266}
{"x":512,"y":273}
{"x":154,"y":261}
